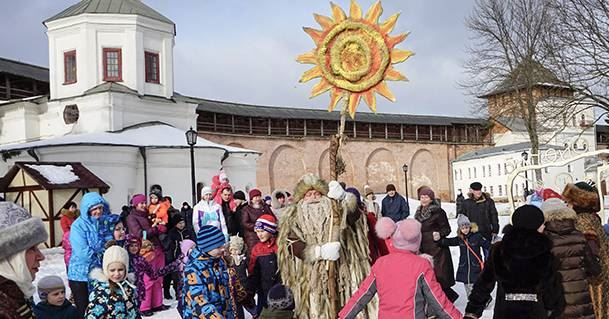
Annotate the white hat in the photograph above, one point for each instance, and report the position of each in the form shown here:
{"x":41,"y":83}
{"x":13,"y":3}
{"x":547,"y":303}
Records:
{"x":115,"y":254}
{"x":206,"y":190}
{"x":552,"y":204}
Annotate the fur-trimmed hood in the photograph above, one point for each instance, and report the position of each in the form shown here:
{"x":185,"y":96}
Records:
{"x":307,"y":183}
{"x":560,"y":214}
{"x":275,"y":202}
{"x":70,"y":214}
{"x":583,"y":201}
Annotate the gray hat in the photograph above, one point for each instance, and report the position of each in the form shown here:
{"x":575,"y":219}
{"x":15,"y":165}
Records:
{"x":18,"y":230}
{"x":48,"y":284}
{"x":462,"y":220}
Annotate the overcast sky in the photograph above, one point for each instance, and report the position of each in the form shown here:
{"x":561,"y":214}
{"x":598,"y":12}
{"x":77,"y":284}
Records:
{"x":244,"y":51}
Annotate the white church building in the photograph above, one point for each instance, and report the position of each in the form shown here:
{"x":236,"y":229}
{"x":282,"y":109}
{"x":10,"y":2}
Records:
{"x":113,"y":108}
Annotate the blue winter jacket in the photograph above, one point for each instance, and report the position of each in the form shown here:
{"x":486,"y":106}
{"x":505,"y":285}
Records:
{"x":469,"y":267}
{"x":205,"y":290}
{"x":395,"y":207}
{"x":87,"y":244}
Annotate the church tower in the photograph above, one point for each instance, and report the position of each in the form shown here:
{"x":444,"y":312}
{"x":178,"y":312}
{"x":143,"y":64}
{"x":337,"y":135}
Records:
{"x":120,"y":41}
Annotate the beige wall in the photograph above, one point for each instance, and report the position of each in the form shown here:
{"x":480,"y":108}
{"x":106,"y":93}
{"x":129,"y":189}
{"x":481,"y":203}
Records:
{"x":372,"y":162}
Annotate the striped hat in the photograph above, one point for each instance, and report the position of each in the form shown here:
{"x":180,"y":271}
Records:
{"x":267,"y":223}
{"x":209,"y":238}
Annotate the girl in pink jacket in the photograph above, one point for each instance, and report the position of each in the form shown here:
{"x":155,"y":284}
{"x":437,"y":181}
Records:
{"x":404,"y":281}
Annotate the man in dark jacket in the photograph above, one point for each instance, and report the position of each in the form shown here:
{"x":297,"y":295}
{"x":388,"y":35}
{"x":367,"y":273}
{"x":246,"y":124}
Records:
{"x":480,"y":209}
{"x":394,"y":205}
{"x":232,"y":222}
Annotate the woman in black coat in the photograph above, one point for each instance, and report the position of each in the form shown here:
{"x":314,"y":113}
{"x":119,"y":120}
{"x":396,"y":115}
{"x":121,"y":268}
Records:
{"x":433,"y":219}
{"x":522,"y":265}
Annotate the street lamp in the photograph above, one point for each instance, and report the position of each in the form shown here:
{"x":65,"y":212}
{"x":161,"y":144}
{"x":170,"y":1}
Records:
{"x":191,"y":139}
{"x":405,"y":169}
{"x":525,"y":157}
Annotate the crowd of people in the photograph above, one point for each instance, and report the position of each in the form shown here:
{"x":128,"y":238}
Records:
{"x":323,"y":251}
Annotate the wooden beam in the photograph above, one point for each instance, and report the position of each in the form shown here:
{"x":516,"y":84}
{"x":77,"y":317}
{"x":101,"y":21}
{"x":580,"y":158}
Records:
{"x":24,"y":188}
{"x":7,"y":86}
{"x":232,"y":122}
{"x":305,"y":128}
{"x":251,"y":129}
{"x":445,"y":133}
{"x":215,"y":125}
{"x":287,"y":127}
{"x":269,"y":127}
{"x":386,"y":133}
{"x":466,"y":139}
{"x":402,"y":132}
{"x":431,"y":133}
{"x":370,"y":130}
{"x":52,"y":221}
{"x":354,"y":130}
{"x":416,"y":132}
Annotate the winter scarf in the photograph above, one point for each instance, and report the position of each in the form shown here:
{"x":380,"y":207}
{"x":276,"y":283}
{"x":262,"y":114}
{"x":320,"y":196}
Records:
{"x":15,"y":269}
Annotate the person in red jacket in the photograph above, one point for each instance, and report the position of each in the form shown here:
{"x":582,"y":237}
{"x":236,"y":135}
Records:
{"x":405,"y":282}
{"x":69,"y":213}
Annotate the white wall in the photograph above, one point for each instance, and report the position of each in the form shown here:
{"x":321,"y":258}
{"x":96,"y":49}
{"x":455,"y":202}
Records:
{"x":88,"y":34}
{"x":122,"y":168}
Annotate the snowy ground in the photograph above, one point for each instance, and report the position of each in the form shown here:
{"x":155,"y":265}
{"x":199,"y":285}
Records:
{"x":54,"y":264}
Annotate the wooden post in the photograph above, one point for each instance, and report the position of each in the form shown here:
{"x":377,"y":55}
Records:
{"x":7,"y":87}
{"x":215,"y":126}
{"x":402,"y":132}
{"x":232,"y":122}
{"x":251,"y":130}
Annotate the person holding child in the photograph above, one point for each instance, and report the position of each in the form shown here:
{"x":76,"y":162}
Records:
{"x":141,"y":227}
{"x":53,"y":302}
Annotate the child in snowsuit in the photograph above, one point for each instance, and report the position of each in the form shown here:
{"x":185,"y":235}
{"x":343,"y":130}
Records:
{"x":238,"y":271}
{"x":158,"y":208}
{"x":208,"y":212}
{"x":402,"y":294}
{"x":470,"y":259}
{"x":262,"y":267}
{"x":206,"y":291}
{"x":113,"y":296}
{"x":138,"y":267}
{"x":53,"y":302}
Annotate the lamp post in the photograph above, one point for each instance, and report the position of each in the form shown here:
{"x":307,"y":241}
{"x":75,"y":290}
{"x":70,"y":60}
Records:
{"x":525,"y":157}
{"x":405,"y":169}
{"x":191,"y":139}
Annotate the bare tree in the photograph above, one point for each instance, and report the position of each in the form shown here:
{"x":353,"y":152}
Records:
{"x":581,"y":49}
{"x":507,"y":61}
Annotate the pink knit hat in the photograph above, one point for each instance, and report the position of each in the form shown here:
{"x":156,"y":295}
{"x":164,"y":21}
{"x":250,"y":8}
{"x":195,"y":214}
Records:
{"x":138,"y":198}
{"x":405,"y":234}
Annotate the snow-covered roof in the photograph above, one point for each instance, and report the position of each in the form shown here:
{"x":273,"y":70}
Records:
{"x":153,"y":135}
{"x":56,"y":174}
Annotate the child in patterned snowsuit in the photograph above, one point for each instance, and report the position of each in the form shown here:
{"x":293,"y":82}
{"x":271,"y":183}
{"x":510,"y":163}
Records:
{"x":112,"y":295}
{"x":139,"y":266}
{"x":206,"y":289}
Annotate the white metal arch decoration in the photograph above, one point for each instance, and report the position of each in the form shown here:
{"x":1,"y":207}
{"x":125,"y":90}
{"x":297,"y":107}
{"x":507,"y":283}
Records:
{"x":560,"y":163}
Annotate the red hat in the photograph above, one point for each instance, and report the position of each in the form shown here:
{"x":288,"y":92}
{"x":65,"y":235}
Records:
{"x":255,"y":192}
{"x":548,"y":193}
{"x":267,"y":223}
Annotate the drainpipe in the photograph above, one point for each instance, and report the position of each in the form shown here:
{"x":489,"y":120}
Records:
{"x":32,"y":152}
{"x":143,"y":153}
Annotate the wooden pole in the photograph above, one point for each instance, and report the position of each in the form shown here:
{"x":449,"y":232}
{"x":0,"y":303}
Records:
{"x":335,"y":144}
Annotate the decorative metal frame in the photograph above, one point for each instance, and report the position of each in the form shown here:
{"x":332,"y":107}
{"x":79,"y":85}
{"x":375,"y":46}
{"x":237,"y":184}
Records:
{"x":599,"y":174}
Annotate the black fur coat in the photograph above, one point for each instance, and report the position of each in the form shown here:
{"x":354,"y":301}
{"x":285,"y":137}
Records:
{"x":520,"y":264}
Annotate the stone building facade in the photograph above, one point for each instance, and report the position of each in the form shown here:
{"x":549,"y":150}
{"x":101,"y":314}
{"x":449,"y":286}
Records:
{"x":295,"y":141}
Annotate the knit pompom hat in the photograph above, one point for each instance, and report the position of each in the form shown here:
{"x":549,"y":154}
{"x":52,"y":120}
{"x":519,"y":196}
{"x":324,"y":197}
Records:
{"x":267,"y":223}
{"x":462,"y":220}
{"x":209,"y":238}
{"x":206,"y":190}
{"x":185,"y":247}
{"x":137,"y":199}
{"x":48,"y":284}
{"x":427,"y":192}
{"x":19,"y":231}
{"x":405,"y":234}
{"x":115,"y":254}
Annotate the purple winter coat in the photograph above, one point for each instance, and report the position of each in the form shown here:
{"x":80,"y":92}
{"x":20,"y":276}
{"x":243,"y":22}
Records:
{"x":138,"y":221}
